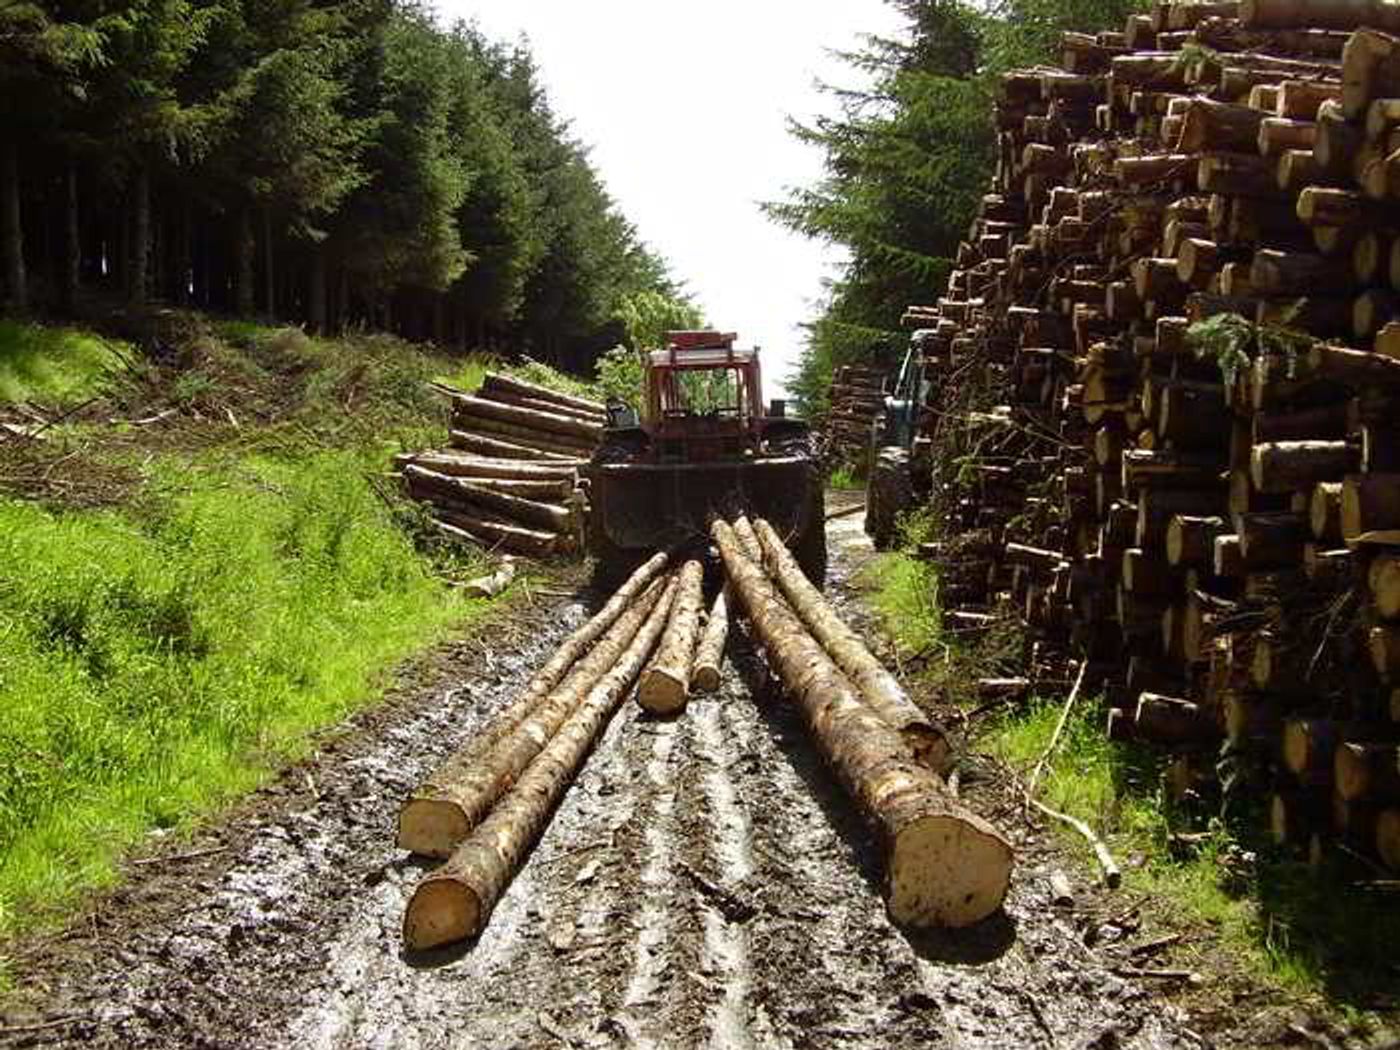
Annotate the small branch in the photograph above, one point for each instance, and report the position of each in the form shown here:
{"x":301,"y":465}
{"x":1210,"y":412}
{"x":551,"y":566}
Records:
{"x":845,"y":511}
{"x":181,"y":856}
{"x":15,"y":1029}
{"x":1059,"y":730}
{"x":1111,"y":874}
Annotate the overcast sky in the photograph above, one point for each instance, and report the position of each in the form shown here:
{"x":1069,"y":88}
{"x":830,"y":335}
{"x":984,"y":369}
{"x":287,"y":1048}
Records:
{"x":683,"y":105}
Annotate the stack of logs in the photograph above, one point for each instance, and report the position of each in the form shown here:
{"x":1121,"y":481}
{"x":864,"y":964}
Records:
{"x":1179,"y":458}
{"x":486,"y":806}
{"x":508,"y":479}
{"x":857,"y":398}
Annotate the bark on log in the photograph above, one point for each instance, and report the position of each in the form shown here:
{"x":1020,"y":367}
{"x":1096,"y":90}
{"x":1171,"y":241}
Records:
{"x":1290,"y":466}
{"x":418,"y":831}
{"x":454,"y":902}
{"x":458,"y":492}
{"x":481,"y":445}
{"x":495,"y":534}
{"x":665,"y":684}
{"x":1370,"y":503}
{"x":1383,"y":581}
{"x":709,"y":655}
{"x":445,"y":810}
{"x":529,"y":436}
{"x":524,"y":388}
{"x":881,"y":690}
{"x":528,"y":417}
{"x":446,"y":461}
{"x":1319,"y":14}
{"x":1366,"y":770}
{"x":944,"y":866}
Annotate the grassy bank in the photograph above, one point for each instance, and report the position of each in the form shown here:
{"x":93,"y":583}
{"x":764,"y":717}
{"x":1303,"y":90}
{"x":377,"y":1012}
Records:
{"x":195,"y":574}
{"x":1241,"y":901}
{"x":39,"y":363}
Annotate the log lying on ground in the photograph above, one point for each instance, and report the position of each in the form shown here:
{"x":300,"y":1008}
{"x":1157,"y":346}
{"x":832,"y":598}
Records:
{"x":446,"y":811}
{"x":709,"y":654}
{"x":419,"y":825}
{"x":665,"y":684}
{"x":877,"y":686}
{"x":454,"y":902}
{"x":944,"y":866}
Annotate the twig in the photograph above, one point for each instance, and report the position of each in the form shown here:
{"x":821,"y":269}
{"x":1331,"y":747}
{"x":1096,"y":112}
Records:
{"x":1166,"y":975}
{"x":1059,"y":730}
{"x":14,"y":1029}
{"x":1111,"y":875}
{"x":181,"y":856}
{"x":845,"y":511}
{"x":1150,"y":947}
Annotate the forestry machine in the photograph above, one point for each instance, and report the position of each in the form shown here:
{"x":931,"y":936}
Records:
{"x":891,"y":488}
{"x":703,"y":445}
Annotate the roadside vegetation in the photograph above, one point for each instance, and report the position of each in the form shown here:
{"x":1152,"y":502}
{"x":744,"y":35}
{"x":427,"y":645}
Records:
{"x":1242,"y":904}
{"x":197,"y":570}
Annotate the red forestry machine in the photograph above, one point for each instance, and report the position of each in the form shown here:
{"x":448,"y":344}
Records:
{"x":703,"y":445}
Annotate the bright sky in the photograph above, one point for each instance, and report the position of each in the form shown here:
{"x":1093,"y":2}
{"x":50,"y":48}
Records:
{"x":684,"y":105}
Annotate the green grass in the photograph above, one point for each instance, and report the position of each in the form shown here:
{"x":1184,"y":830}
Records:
{"x":53,"y":365}
{"x":156,"y":663}
{"x":469,"y":373}
{"x":166,"y":653}
{"x":845,"y":479}
{"x":905,"y":594}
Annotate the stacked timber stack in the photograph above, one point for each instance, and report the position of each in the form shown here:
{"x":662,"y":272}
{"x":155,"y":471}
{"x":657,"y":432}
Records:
{"x":857,"y":398}
{"x":1179,"y":459}
{"x":508,"y":478}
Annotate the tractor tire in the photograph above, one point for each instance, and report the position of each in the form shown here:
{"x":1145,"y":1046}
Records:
{"x":890,"y":492}
{"x":809,"y":547}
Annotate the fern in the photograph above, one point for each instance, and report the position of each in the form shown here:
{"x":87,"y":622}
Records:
{"x":1233,"y":342}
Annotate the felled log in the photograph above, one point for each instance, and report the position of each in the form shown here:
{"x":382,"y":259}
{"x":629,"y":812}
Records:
{"x":1370,"y":503}
{"x":454,"y":902}
{"x":431,"y":830}
{"x":458,"y":492}
{"x":665,"y":684}
{"x":881,"y":690}
{"x":944,"y":866}
{"x":1366,"y":770}
{"x":481,"y":445}
{"x":1288,"y":466}
{"x":460,"y":465}
{"x":498,"y":381}
{"x":497,"y":534}
{"x":446,"y":809}
{"x":709,"y":654}
{"x":546,"y":440}
{"x":527,"y":417}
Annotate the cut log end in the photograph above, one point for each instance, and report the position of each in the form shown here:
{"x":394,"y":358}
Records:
{"x":432,"y":827}
{"x":442,"y":911}
{"x":661,"y":692}
{"x":705,"y":678}
{"x":944,"y":871}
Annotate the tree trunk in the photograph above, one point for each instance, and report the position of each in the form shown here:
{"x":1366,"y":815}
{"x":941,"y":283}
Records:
{"x":665,"y":684}
{"x":317,"y":304}
{"x":528,"y":436}
{"x":72,"y":238}
{"x":245,"y":302}
{"x":139,"y":277}
{"x":458,"y":797}
{"x":455,"y":901}
{"x":12,"y":229}
{"x":944,"y":866}
{"x":709,"y":656}
{"x":926,"y":741}
{"x":269,"y":270}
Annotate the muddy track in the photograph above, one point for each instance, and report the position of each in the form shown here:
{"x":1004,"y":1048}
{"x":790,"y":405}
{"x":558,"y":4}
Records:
{"x":704,"y":883}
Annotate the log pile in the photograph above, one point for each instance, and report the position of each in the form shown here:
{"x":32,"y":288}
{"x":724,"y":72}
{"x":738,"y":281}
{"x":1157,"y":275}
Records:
{"x":507,"y":479}
{"x":857,"y":399}
{"x":1177,"y":459}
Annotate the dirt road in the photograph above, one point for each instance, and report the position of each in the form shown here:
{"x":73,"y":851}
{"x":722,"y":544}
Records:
{"x":705,"y":883}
